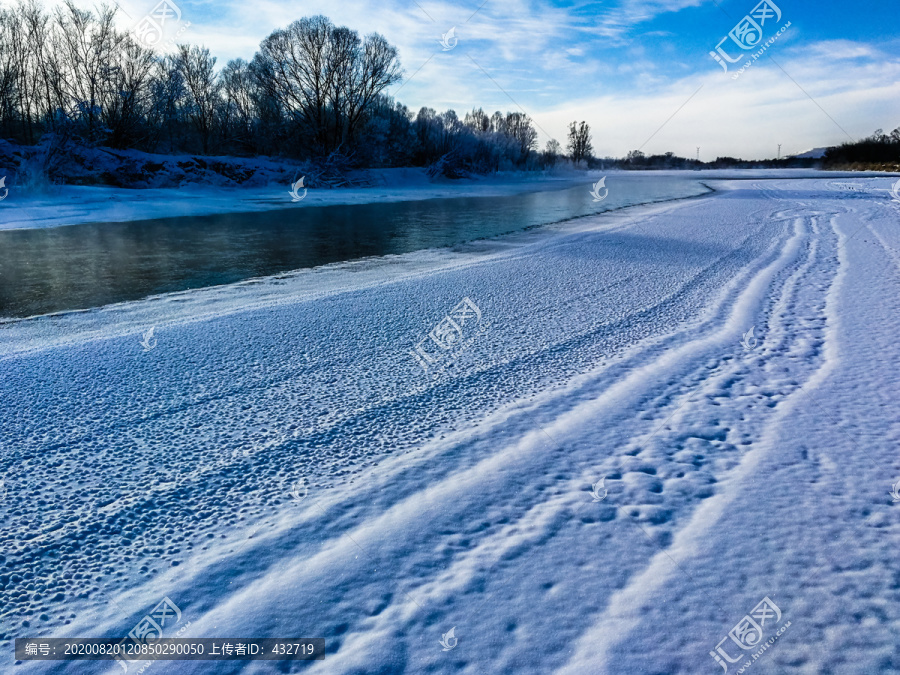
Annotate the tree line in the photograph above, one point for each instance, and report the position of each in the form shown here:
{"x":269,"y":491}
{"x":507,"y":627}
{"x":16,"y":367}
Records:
{"x":313,"y":89}
{"x":880,"y":150}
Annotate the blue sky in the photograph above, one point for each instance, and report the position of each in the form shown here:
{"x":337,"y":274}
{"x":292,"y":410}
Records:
{"x":639,"y":71}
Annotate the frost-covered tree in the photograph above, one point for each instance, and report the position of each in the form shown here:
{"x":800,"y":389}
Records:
{"x":478,"y":121}
{"x":313,"y":91}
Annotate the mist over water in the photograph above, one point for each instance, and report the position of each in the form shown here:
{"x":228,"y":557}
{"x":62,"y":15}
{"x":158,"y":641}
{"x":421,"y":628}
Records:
{"x":93,"y":264}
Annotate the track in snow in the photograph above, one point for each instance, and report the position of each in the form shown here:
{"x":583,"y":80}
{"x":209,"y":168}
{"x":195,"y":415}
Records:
{"x":611,"y":349}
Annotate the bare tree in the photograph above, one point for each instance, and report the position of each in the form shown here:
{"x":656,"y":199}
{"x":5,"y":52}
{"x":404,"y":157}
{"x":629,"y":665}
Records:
{"x":167,"y":93}
{"x":580,"y":141}
{"x":10,"y":68}
{"x":376,"y":69}
{"x":552,"y":151}
{"x":520,"y":129}
{"x":325,"y":78}
{"x":635,"y":158}
{"x":428,"y":134}
{"x":202,"y":88}
{"x":342,"y":60}
{"x":293,"y":65}
{"x":125,"y":108}
{"x":478,"y":121}
{"x":239,"y":110}
{"x":38,"y":73}
{"x":85,"y":47}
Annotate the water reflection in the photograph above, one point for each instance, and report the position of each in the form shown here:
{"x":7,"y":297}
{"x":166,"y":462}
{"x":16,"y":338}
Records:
{"x":94,"y":264}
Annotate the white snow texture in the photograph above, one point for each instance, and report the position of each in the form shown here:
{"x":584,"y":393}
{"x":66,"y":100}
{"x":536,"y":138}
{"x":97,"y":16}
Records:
{"x":279,"y":465}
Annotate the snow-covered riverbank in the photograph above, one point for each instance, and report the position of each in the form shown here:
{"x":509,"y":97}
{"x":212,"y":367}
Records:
{"x":607,"y":478}
{"x":70,"y":205}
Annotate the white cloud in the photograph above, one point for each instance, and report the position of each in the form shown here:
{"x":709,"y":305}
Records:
{"x":550,"y":61}
{"x":619,"y":20}
{"x":747,"y":117}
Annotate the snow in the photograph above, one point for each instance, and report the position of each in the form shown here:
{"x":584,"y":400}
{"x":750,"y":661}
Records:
{"x":609,"y":347}
{"x":815,"y":153}
{"x":73,"y":204}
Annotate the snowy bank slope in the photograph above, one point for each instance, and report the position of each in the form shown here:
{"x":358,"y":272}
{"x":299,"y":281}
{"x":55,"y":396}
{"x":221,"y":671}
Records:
{"x":278,"y":465}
